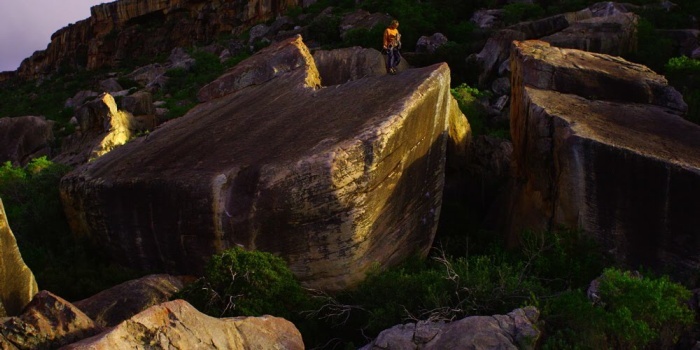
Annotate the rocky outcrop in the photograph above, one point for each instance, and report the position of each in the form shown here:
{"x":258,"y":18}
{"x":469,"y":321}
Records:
{"x":101,"y":128}
{"x":48,"y":322}
{"x":613,"y":35}
{"x":17,"y":283}
{"x":335,"y":180}
{"x":262,"y":67}
{"x":599,"y":144}
{"x":177,"y":325}
{"x":114,"y":305}
{"x":130,"y":29}
{"x":607,"y":28}
{"x":516,"y":330}
{"x":25,"y":138}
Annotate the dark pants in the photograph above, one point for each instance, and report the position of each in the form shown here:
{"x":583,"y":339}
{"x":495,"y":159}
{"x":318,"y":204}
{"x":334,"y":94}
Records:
{"x":393,"y":57}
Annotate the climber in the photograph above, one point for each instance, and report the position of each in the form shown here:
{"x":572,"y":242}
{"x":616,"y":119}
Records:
{"x":391,"y":45}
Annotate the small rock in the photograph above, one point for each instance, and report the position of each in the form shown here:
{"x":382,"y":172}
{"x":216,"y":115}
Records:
{"x":430,"y":44}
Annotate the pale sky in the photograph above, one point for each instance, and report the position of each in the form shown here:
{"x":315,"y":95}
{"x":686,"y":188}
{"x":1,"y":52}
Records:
{"x":26,"y":25}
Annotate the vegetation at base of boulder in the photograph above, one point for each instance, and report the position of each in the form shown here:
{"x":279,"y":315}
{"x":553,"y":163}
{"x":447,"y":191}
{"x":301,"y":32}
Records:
{"x":653,"y":49}
{"x":633,"y":312}
{"x":683,"y":73}
{"x":471,"y":102}
{"x":238,"y":282}
{"x":180,"y":92}
{"x":70,"y":267}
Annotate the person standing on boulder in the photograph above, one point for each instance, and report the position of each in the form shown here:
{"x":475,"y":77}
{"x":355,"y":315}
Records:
{"x":392,"y":44}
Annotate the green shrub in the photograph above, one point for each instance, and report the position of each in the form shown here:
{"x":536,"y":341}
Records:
{"x":683,"y":73}
{"x":633,"y":312}
{"x":469,"y":101}
{"x":653,"y":49}
{"x":520,"y":11}
{"x":70,"y":267}
{"x":325,"y":29}
{"x":247,"y":283}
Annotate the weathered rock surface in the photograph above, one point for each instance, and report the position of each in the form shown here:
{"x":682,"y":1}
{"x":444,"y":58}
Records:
{"x":25,"y":138}
{"x":613,"y":35}
{"x":599,"y":144}
{"x":48,"y":322}
{"x":516,"y":330}
{"x":604,"y":28}
{"x":265,"y":65}
{"x":112,"y":33}
{"x":114,"y":305}
{"x":345,"y":178}
{"x":177,"y":325}
{"x":352,"y":63}
{"x":101,"y":128}
{"x":17,"y":283}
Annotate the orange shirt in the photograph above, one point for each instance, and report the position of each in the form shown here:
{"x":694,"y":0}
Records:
{"x":390,"y":37}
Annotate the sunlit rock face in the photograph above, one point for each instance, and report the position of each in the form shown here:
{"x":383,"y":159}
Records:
{"x":47,"y":322}
{"x":600,"y":144}
{"x":25,"y":138}
{"x":101,"y":128}
{"x":178,"y":325}
{"x":127,"y":29}
{"x":17,"y":283}
{"x":333,"y":179}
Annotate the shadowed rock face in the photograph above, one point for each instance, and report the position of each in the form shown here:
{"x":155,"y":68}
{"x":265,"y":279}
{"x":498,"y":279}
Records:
{"x":25,"y":138}
{"x":114,"y":305}
{"x":177,"y":325}
{"x":17,"y":283}
{"x":352,"y":63}
{"x":333,"y":179}
{"x":626,"y":172}
{"x":516,"y":330}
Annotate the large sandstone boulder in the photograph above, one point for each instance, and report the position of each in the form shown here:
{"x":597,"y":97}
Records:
{"x":613,"y":35}
{"x":17,"y":283}
{"x":101,"y":128}
{"x":335,"y":180}
{"x":114,"y":305}
{"x":177,"y":325}
{"x":25,"y":138}
{"x":48,"y":322}
{"x":516,"y":330}
{"x":599,"y":144}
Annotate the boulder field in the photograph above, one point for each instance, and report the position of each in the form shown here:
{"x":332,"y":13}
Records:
{"x":600,"y":144}
{"x":335,"y":179}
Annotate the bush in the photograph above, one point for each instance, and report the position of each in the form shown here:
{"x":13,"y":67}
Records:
{"x":520,"y":11}
{"x":683,"y":73}
{"x":469,"y":101}
{"x":633,"y":313}
{"x":72,"y":268}
{"x":247,"y":283}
